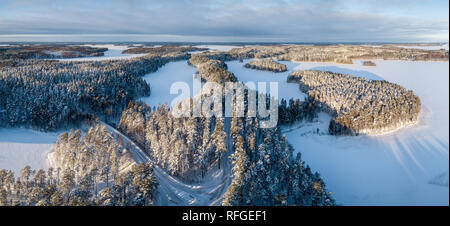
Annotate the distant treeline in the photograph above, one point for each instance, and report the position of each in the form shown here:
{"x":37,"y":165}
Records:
{"x":162,"y":49}
{"x":48,"y":52}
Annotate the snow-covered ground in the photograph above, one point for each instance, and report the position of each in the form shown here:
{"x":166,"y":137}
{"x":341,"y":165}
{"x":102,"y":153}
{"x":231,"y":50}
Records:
{"x":20,"y":147}
{"x":407,"y":167}
{"x":400,"y":168}
{"x":114,"y":52}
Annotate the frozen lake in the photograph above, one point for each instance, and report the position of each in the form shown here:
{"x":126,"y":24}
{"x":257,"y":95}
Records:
{"x":114,"y":52}
{"x":392,"y":169}
{"x":161,"y":81}
{"x":20,"y":147}
{"x":285,"y":90}
{"x":219,"y":47}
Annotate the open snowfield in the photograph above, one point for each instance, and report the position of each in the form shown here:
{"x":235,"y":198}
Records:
{"x":20,"y":147}
{"x":392,"y":169}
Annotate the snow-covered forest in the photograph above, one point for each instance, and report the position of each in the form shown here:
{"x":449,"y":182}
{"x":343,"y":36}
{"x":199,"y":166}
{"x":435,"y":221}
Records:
{"x":48,"y":95}
{"x":261,"y":159}
{"x":92,"y":170}
{"x":14,"y":52}
{"x":154,"y":156}
{"x":266,"y":64}
{"x":360,"y":106}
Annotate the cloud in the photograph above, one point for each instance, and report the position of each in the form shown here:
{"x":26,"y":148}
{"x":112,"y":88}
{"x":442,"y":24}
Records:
{"x":287,"y":20}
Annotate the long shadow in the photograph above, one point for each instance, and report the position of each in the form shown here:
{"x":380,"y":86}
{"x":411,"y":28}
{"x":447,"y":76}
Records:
{"x":410,"y":152}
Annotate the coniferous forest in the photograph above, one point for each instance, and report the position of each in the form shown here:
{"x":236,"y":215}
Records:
{"x":48,"y":95}
{"x":113,"y":160}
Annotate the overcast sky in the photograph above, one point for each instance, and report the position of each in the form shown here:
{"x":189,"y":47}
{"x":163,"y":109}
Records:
{"x":228,"y":20}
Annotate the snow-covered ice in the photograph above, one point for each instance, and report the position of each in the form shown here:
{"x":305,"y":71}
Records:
{"x":407,"y":167}
{"x":392,"y":169}
{"x":161,"y":81}
{"x":400,"y":168}
{"x":20,"y":147}
{"x":218,"y":47}
{"x":285,"y":90}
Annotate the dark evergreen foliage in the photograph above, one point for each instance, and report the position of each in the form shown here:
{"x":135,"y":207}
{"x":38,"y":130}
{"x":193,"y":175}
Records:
{"x":48,"y":94}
